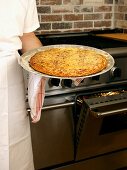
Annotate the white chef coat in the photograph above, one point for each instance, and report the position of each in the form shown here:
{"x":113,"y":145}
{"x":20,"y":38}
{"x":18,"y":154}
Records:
{"x":16,"y":17}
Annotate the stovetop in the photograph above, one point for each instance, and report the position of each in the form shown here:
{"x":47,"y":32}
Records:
{"x":83,"y":38}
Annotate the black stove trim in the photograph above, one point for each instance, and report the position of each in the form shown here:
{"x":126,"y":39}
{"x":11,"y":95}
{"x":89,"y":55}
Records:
{"x":83,"y":38}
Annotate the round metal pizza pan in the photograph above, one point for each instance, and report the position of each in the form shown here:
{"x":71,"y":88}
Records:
{"x":24,"y":60}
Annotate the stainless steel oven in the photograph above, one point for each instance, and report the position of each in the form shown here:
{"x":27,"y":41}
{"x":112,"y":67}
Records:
{"x":84,"y":126}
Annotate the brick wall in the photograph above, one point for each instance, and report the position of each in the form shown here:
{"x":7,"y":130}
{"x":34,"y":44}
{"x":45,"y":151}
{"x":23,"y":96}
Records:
{"x":78,"y":15}
{"x":121,"y":14}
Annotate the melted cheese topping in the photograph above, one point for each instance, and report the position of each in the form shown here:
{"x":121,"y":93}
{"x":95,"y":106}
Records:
{"x":68,"y":62}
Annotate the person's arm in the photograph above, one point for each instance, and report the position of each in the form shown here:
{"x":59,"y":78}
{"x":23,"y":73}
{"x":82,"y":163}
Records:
{"x":29,"y":42}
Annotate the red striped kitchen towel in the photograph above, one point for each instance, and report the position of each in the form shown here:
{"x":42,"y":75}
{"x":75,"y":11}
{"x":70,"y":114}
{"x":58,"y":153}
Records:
{"x":36,"y":94}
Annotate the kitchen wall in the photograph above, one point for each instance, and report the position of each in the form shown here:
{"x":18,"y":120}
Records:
{"x":121,"y":14}
{"x":80,"y":15}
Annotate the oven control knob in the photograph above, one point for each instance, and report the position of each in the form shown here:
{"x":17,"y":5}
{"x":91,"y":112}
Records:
{"x":115,"y":72}
{"x":54,"y":82}
{"x":67,"y":83}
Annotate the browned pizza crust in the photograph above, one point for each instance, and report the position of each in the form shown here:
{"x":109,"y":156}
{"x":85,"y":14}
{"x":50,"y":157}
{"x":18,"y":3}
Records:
{"x":68,"y":62}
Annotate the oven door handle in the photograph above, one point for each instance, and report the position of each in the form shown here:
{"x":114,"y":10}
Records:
{"x":109,"y":113}
{"x":56,"y":106}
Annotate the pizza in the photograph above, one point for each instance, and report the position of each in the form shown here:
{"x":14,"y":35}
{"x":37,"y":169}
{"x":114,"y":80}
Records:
{"x":68,"y":62}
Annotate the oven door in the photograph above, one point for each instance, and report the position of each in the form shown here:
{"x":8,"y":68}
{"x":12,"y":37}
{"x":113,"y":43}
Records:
{"x":102,"y":126}
{"x":52,"y":136}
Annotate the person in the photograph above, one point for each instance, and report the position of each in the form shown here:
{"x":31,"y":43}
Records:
{"x":18,"y":22}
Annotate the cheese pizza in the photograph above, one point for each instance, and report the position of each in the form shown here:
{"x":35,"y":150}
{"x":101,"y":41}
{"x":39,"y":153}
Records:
{"x":68,"y":62}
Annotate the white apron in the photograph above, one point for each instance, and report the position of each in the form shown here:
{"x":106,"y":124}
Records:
{"x":15,"y":139}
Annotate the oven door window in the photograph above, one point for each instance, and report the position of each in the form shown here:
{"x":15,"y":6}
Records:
{"x":113,"y":123}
